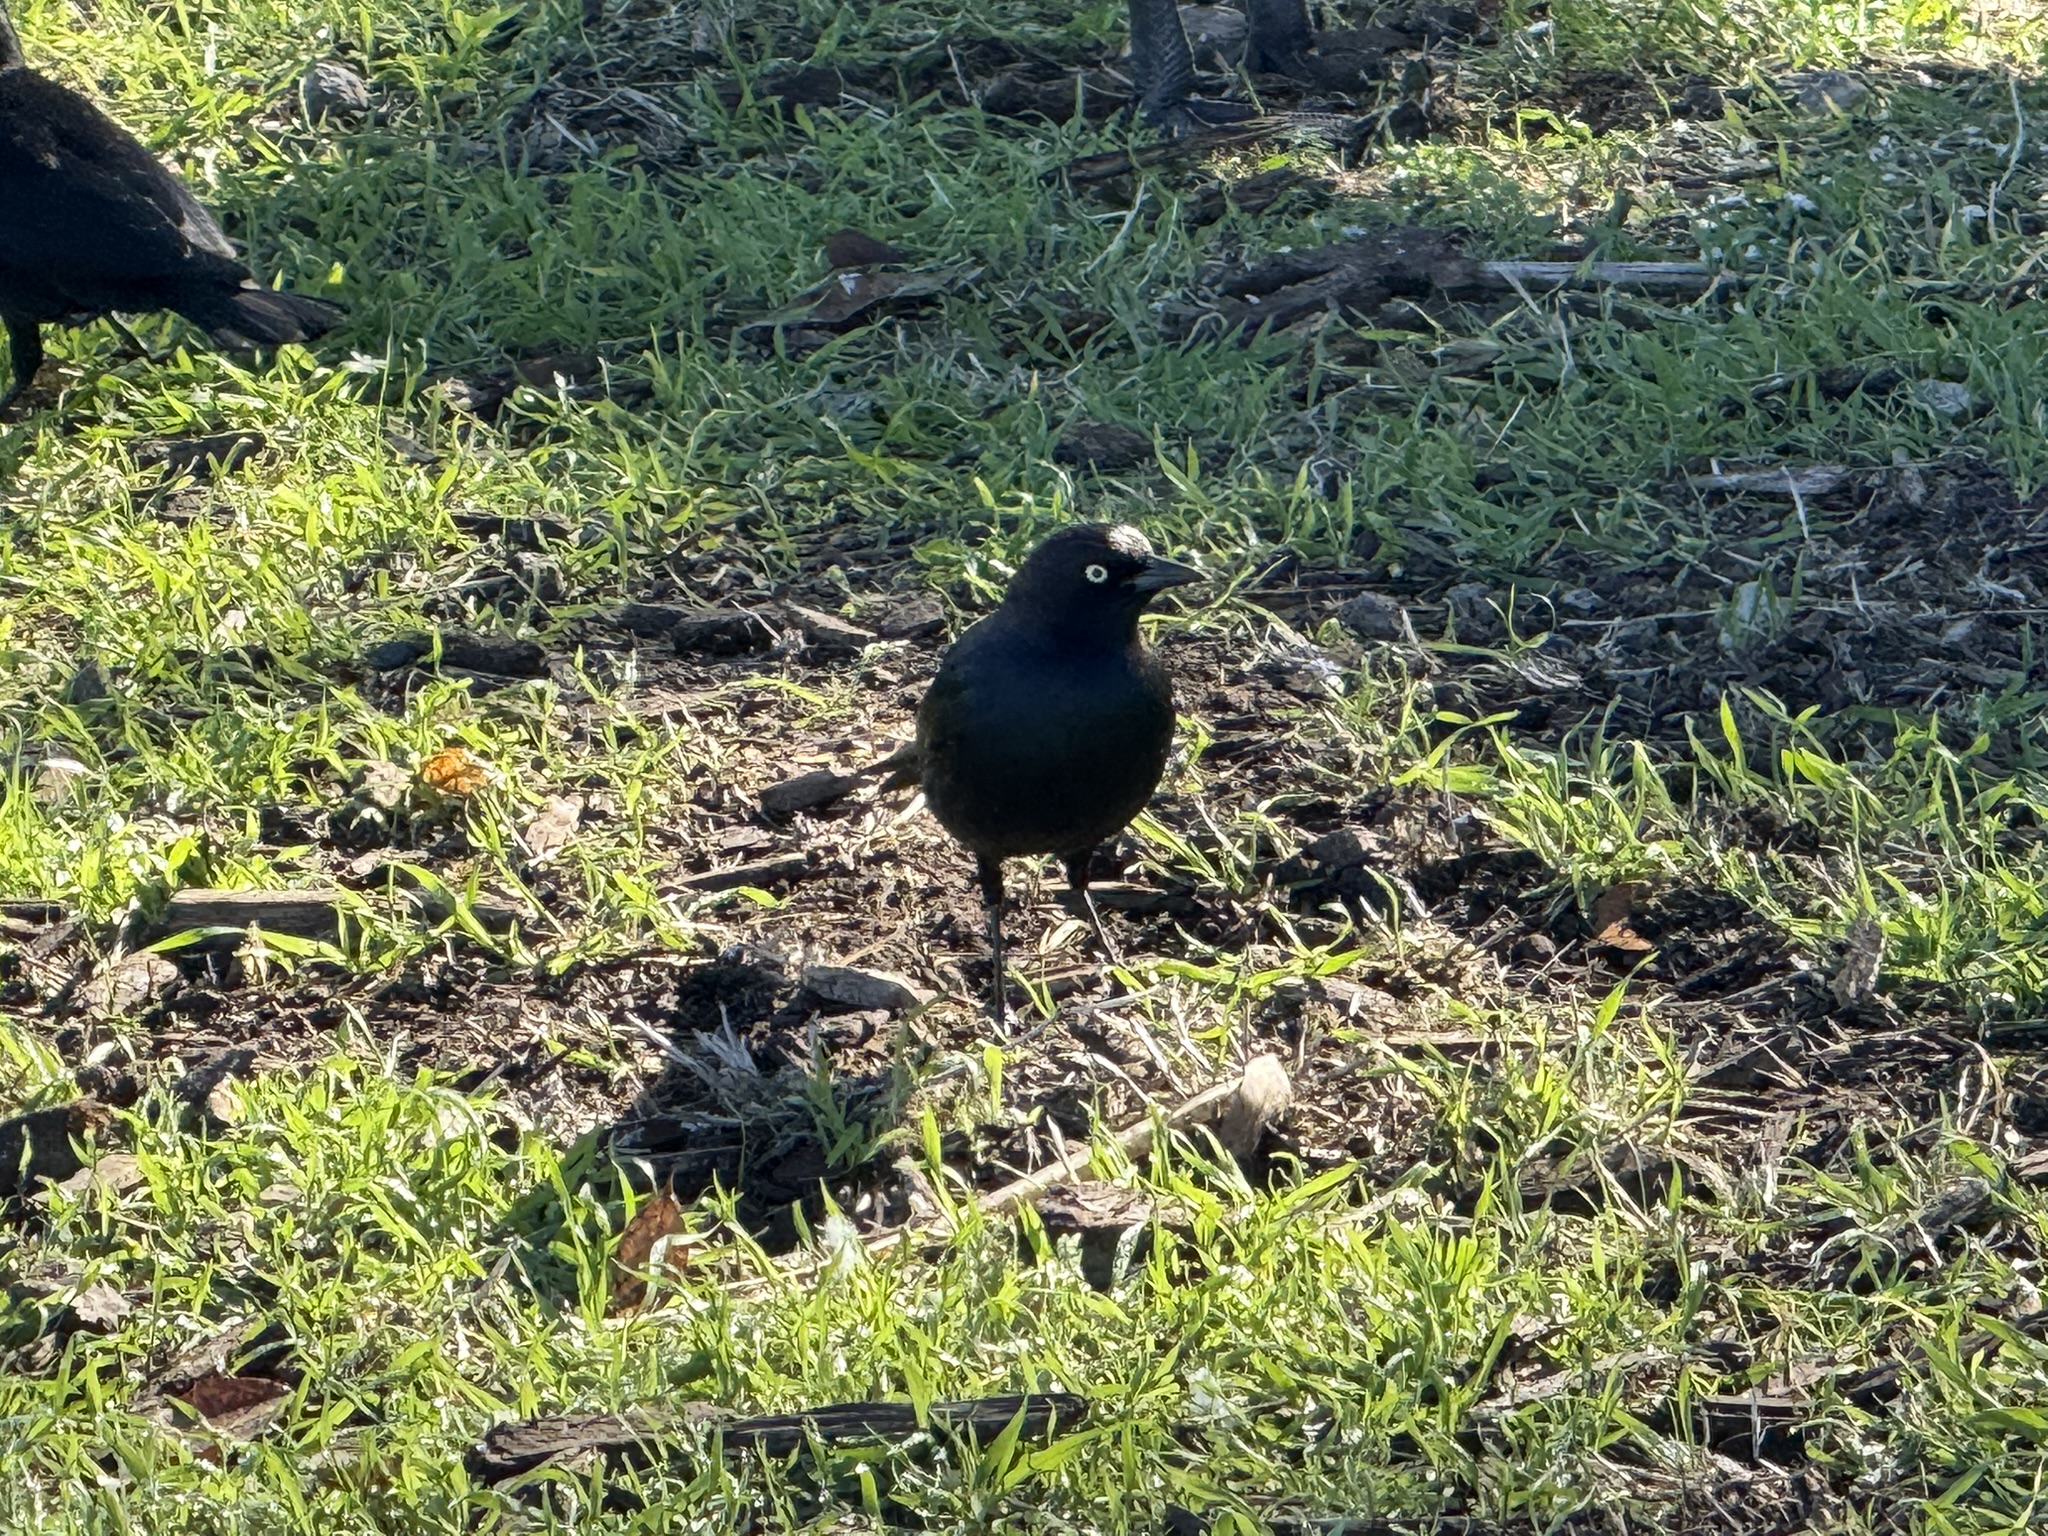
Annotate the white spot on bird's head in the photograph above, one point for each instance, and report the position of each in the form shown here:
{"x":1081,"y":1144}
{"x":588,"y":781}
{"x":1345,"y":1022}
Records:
{"x":1126,"y":540}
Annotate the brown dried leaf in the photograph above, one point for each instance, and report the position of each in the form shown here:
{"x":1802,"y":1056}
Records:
{"x":1612,"y":909}
{"x":454,"y":771}
{"x":241,"y":1407}
{"x":659,"y":1218}
{"x":550,"y":831}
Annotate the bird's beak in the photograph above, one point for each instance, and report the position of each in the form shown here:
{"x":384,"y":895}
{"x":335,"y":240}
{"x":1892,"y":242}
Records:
{"x":1160,"y":574}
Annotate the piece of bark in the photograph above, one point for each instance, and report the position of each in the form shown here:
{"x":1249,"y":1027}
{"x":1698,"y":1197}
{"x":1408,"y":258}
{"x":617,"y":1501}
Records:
{"x":827,"y":633}
{"x":493,"y":655}
{"x":846,"y":986}
{"x":650,"y":621}
{"x":761,"y":874}
{"x":806,"y":792}
{"x":721,"y":632}
{"x":306,"y":914}
{"x":918,"y":618}
{"x":42,"y":1144}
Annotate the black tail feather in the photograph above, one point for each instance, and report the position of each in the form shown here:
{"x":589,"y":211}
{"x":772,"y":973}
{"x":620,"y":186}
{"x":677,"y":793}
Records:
{"x":264,"y":317}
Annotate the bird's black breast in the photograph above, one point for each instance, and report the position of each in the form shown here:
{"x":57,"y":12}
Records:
{"x":1029,"y":748}
{"x":92,"y":221}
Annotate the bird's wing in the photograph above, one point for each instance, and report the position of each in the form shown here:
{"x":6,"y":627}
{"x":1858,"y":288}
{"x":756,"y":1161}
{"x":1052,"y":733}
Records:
{"x":87,"y":202}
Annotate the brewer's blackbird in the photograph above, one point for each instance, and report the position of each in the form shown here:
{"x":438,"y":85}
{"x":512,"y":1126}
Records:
{"x":91,"y":224}
{"x":1046,"y":728}
{"x":1163,"y":65}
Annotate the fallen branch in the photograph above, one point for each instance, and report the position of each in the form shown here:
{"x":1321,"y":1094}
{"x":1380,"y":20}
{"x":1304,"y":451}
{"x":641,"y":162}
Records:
{"x":307,"y":914}
{"x":1236,"y":1113}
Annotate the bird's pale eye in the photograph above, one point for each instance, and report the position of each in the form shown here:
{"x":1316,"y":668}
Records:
{"x":1097,"y":574}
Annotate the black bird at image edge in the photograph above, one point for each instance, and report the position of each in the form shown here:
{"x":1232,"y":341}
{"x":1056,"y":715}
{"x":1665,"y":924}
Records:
{"x":92,"y":224}
{"x":1047,"y":726}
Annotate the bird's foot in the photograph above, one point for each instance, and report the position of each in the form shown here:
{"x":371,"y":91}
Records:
{"x":1192,"y":116}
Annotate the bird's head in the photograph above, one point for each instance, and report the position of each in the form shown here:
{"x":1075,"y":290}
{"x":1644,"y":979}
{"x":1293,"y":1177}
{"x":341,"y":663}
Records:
{"x":1092,"y":579}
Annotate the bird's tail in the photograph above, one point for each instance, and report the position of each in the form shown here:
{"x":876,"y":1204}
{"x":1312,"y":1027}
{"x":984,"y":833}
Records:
{"x":263,"y":317}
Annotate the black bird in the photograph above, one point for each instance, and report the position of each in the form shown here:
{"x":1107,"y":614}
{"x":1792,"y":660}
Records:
{"x":1046,"y":728}
{"x":92,"y":224}
{"x":1278,"y":34}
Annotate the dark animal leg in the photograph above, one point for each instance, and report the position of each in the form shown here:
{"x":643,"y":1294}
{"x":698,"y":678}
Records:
{"x":25,"y":350}
{"x":991,"y":873}
{"x":1077,"y":882}
{"x":1279,"y":35}
{"x":1164,"y":68}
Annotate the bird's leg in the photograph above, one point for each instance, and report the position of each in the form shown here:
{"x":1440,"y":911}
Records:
{"x":1077,"y":882}
{"x":25,"y":353}
{"x":1279,"y":34}
{"x":1163,"y":66}
{"x":991,"y":873}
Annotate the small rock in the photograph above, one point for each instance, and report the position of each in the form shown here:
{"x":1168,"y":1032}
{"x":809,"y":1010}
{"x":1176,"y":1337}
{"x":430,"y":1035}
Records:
{"x":1473,"y":612}
{"x":846,"y":986}
{"x":550,"y":830}
{"x":1343,"y":849}
{"x":88,"y":685}
{"x":805,"y":792}
{"x":1372,"y":616}
{"x":1945,"y":399}
{"x":1101,"y":445}
{"x":42,"y":1143}
{"x":332,"y":89}
{"x":913,"y":620}
{"x":123,"y":988}
{"x":100,"y":1308}
{"x":1263,"y":1094}
{"x":827,"y":633}
{"x":57,"y":776}
{"x":1831,"y":90}
{"x":383,"y":784}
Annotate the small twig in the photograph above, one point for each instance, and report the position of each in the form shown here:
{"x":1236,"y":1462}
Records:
{"x":1694,"y":277}
{"x":660,"y":1042}
{"x":1251,"y":1100}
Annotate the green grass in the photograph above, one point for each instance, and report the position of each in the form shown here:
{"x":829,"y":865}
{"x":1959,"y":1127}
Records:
{"x":1339,"y":1344}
